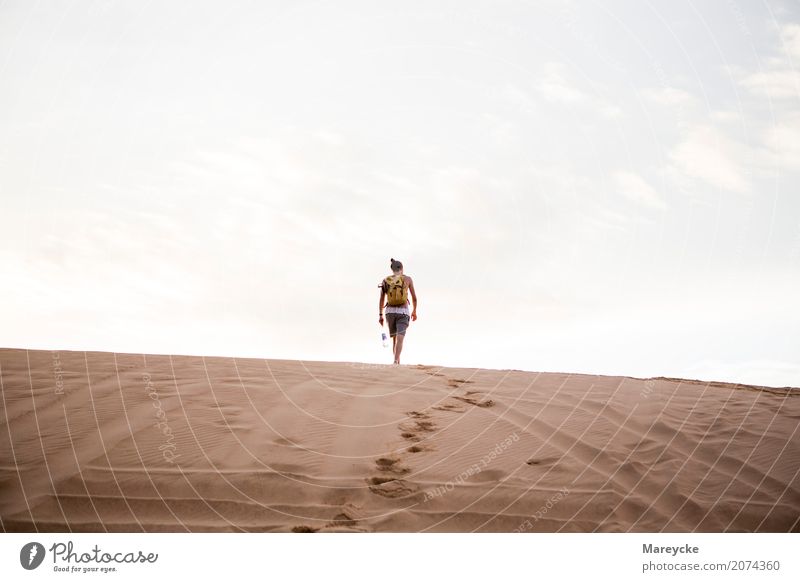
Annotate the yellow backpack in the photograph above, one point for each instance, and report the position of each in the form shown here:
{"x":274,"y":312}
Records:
{"x":396,"y":290}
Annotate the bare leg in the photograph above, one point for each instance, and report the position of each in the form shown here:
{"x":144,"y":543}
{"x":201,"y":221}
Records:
{"x":398,"y":347}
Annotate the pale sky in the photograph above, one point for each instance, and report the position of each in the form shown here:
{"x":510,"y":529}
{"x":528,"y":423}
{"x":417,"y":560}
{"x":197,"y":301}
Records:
{"x":603,"y":188}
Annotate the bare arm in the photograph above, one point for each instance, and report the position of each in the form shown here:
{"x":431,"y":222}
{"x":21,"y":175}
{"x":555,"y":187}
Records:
{"x":413,"y":298}
{"x":380,"y":306}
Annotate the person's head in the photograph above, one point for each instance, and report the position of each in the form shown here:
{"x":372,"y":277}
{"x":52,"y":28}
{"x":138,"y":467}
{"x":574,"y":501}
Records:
{"x":397,"y":267}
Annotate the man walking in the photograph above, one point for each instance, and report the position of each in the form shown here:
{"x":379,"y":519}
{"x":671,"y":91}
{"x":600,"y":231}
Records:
{"x":394,"y":290}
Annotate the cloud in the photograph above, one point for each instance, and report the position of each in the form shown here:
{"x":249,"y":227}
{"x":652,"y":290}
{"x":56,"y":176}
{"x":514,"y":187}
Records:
{"x":790,"y":34}
{"x":778,"y":145}
{"x":782,"y":143}
{"x":635,"y":188}
{"x":776,"y":84}
{"x":669,"y":96}
{"x":709,"y":155}
{"x":557,"y":88}
{"x":780,"y":80}
{"x":724,"y":116}
{"x":519,"y":98}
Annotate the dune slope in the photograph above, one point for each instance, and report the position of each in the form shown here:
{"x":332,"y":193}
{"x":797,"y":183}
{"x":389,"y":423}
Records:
{"x":95,"y":441}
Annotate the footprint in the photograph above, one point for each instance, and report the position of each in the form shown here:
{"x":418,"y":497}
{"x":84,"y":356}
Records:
{"x":303,"y":529}
{"x":456,"y":382}
{"x":448,"y":407}
{"x":488,"y":403}
{"x":390,"y":487}
{"x":417,"y":449}
{"x":390,"y":465}
{"x":384,"y":463}
{"x":425,"y":426}
{"x":416,"y":414}
{"x":342,"y":519}
{"x":409,"y":436}
{"x":428,"y":370}
{"x":418,"y":426}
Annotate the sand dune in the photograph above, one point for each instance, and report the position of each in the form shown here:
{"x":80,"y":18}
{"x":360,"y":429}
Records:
{"x":124,"y":442}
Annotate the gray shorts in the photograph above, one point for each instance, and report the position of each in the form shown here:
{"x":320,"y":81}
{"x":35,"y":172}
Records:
{"x":397,"y":322}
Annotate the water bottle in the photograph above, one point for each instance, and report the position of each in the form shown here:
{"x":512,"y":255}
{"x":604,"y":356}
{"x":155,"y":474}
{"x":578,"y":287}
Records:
{"x":385,"y":340}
